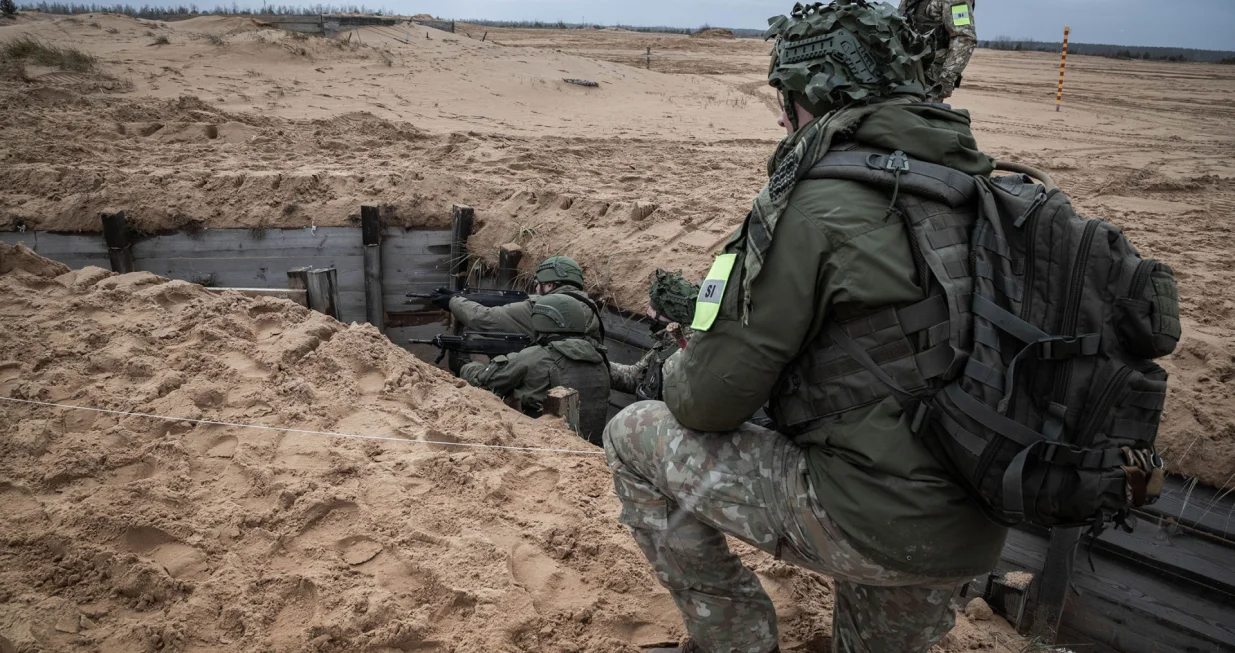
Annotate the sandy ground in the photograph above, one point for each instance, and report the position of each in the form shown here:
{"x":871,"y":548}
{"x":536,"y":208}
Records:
{"x":130,"y":533}
{"x":232,"y":124}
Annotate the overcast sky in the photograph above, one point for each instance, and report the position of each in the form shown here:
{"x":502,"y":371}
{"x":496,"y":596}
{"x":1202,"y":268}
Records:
{"x":1205,"y":24}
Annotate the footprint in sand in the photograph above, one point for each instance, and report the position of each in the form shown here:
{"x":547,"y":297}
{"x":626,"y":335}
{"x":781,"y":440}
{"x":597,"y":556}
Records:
{"x":552,"y":586}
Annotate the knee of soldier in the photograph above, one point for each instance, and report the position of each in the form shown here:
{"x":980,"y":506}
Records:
{"x":633,"y":432}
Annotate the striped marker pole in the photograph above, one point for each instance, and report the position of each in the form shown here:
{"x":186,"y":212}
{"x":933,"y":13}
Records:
{"x":1063,"y":62}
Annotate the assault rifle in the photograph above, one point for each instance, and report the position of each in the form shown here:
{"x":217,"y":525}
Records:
{"x":475,"y":342}
{"x":484,"y":297}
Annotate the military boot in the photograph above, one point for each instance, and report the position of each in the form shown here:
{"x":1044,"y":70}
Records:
{"x":691,"y":647}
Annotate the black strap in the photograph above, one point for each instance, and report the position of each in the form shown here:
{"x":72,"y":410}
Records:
{"x":936,"y":361}
{"x":1013,"y":484}
{"x":929,"y":180}
{"x":579,"y":295}
{"x":974,"y":444}
{"x":986,"y":416}
{"x":1146,"y":400}
{"x":924,"y":314}
{"x":986,"y":237}
{"x":992,"y":312}
{"x":849,"y":346}
{"x":1010,"y":287}
{"x":984,"y":374}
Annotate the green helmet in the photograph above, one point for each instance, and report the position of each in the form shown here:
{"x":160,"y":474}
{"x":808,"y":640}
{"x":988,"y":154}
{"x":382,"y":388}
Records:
{"x":847,"y":52}
{"x":560,"y":269}
{"x":559,"y":314}
{"x":674,"y":297}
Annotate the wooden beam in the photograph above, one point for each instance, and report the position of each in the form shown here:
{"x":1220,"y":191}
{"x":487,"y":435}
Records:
{"x":461,"y":218}
{"x":564,"y":403}
{"x":298,"y":278}
{"x":324,"y":291}
{"x":371,"y":236}
{"x":119,"y":249}
{"x":508,"y":257}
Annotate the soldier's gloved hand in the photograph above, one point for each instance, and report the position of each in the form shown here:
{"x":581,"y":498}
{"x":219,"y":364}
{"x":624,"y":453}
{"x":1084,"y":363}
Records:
{"x":456,"y":361}
{"x":441,"y":298}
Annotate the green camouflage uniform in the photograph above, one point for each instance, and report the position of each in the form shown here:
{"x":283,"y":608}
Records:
{"x":511,"y":318}
{"x":855,"y":495}
{"x":528,"y":375}
{"x":950,"y":25}
{"x":626,"y":378}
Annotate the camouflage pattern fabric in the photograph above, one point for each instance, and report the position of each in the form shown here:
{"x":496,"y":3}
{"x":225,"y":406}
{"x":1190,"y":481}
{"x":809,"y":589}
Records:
{"x":950,"y":25}
{"x":682,"y":491}
{"x":626,"y":378}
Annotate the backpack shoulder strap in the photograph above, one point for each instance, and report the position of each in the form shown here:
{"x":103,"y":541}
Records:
{"x":886,"y":169}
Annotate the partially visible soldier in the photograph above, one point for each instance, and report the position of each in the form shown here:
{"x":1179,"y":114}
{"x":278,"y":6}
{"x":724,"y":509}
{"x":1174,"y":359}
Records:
{"x":555,"y":275}
{"x":948,"y":25}
{"x":841,"y":485}
{"x":671,"y":299}
{"x":562,"y":356}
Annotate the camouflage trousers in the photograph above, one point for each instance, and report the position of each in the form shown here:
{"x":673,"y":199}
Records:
{"x":682,"y":491}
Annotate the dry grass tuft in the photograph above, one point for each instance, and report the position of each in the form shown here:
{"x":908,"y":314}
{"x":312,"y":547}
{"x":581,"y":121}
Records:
{"x":215,"y":39}
{"x":27,"y":49}
{"x":160,"y":40}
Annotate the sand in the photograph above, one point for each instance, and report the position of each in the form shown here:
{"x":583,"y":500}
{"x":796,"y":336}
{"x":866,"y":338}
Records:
{"x":215,"y":538}
{"x":130,"y":533}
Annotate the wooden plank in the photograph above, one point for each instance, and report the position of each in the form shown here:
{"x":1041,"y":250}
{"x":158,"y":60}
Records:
{"x":1143,"y":605}
{"x":1198,"y":507}
{"x":1195,"y":558}
{"x":260,"y":272}
{"x":508,"y":257}
{"x":74,"y":250}
{"x":298,"y":296}
{"x":224,"y":243}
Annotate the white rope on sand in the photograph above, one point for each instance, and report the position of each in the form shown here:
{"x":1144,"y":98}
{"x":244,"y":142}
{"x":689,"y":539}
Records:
{"x":304,"y":431}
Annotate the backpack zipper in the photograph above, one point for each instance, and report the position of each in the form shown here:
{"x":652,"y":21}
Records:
{"x":1073,"y":312}
{"x":1031,"y":214}
{"x":1140,"y":278}
{"x":1103,"y":406}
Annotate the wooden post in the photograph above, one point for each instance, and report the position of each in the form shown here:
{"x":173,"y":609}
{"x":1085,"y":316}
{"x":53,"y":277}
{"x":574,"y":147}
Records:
{"x":563,"y":402}
{"x":649,"y":57}
{"x":460,"y":228}
{"x":508,"y":257}
{"x":482,"y":39}
{"x":1054,"y":584}
{"x":371,"y":235}
{"x":119,"y":249}
{"x":324,"y":291}
{"x":298,"y":279}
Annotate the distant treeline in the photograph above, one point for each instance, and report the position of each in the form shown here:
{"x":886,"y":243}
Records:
{"x":156,"y":12}
{"x":1112,"y":51}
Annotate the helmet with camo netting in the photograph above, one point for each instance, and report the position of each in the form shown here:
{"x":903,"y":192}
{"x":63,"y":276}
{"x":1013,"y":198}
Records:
{"x":673,"y":296}
{"x":559,"y":314}
{"x":828,"y":56}
{"x":560,"y":269}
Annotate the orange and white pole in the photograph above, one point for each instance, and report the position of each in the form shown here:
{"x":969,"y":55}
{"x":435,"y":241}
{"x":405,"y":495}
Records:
{"x":1063,"y":62}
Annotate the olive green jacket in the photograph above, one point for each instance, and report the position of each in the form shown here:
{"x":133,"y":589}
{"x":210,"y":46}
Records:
{"x":836,"y":251}
{"x":511,"y":318}
{"x":528,"y":375}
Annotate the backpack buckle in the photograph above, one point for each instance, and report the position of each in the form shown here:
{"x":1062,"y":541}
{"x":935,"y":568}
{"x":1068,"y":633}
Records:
{"x":897,"y":161}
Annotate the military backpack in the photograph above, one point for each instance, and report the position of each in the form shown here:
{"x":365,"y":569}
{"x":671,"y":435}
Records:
{"x":1028,"y":371}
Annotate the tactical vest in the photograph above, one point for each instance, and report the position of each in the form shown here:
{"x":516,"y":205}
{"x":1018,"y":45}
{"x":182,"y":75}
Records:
{"x":652,"y":386}
{"x":1028,"y":369}
{"x":591,"y":381}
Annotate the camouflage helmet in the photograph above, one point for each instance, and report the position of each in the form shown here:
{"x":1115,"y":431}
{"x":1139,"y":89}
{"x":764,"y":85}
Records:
{"x":673,"y":296}
{"x":559,"y":314}
{"x":560,"y":269}
{"x":847,"y":52}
